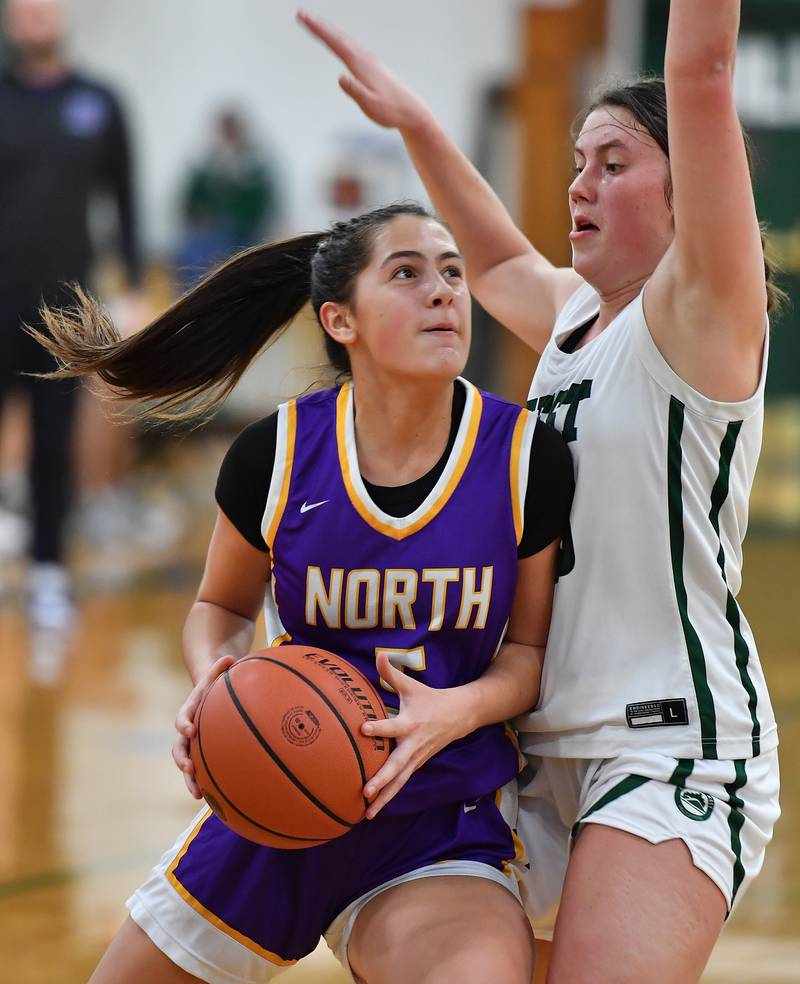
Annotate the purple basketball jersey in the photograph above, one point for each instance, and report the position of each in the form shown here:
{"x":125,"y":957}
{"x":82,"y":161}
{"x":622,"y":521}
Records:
{"x":433,"y":589}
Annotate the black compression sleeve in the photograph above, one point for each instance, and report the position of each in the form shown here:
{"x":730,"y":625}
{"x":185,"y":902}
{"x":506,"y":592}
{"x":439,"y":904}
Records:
{"x":244,"y":478}
{"x":551,"y":483}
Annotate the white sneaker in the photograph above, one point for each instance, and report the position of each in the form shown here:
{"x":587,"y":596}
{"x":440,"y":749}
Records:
{"x":49,"y":602}
{"x":15,"y":490}
{"x":14,"y":534}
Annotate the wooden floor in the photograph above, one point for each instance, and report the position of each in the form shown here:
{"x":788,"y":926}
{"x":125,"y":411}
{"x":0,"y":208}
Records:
{"x":89,"y":797}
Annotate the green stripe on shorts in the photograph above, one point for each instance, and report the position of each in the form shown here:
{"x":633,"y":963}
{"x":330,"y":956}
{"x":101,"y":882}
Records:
{"x":736,"y":822}
{"x":626,"y":785}
{"x":682,"y":772}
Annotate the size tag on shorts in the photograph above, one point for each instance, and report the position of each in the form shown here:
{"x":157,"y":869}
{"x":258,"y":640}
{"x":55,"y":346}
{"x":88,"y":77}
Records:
{"x":657,"y":713}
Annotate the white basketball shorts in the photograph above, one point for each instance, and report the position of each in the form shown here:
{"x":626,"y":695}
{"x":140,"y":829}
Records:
{"x":724,"y":811}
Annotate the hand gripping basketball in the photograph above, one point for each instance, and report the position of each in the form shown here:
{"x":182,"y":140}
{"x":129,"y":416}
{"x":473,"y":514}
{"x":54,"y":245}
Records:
{"x":278,"y":750}
{"x":429,"y":719}
{"x":185,"y":726}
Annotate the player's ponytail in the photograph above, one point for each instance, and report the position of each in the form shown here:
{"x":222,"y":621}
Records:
{"x":189,"y":358}
{"x":186,"y":361}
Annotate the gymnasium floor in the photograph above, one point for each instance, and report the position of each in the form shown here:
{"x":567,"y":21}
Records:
{"x":90,"y":797}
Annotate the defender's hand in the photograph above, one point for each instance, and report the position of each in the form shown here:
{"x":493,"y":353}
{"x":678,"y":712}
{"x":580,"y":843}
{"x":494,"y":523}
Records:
{"x":380,"y":95}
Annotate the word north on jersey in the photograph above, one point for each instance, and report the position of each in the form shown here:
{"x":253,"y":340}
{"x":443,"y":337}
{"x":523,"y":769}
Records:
{"x":402,"y":598}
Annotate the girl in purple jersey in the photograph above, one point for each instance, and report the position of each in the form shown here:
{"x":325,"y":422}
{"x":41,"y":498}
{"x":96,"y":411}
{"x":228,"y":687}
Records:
{"x":654,"y":744}
{"x":425,"y":889}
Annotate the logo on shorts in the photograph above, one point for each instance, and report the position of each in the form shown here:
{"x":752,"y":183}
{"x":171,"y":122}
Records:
{"x":300,"y":726}
{"x":694,"y":805}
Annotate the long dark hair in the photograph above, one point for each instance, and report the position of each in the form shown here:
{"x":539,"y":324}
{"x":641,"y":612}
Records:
{"x":645,"y":98}
{"x":189,"y":358}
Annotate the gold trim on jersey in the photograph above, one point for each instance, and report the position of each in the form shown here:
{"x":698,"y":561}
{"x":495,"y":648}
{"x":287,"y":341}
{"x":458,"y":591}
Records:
{"x":281,"y":471}
{"x":209,"y":916}
{"x":277,"y":498}
{"x":399,"y":527}
{"x":274,"y":629}
{"x":519,"y":467}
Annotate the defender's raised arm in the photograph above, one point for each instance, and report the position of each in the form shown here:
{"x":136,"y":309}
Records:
{"x":513,"y":281}
{"x":706,"y":303}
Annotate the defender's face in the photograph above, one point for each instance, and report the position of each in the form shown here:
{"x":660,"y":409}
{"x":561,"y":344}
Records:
{"x":622,"y":223}
{"x":411,"y":313}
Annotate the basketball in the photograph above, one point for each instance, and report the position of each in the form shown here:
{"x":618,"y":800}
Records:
{"x":279,"y":755}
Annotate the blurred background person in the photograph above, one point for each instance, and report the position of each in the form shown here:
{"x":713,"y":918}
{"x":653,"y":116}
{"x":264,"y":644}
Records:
{"x":63,"y":142}
{"x":230,"y":200}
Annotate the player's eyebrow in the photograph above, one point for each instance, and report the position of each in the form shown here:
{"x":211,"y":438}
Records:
{"x":416,"y":255}
{"x":601,"y":148}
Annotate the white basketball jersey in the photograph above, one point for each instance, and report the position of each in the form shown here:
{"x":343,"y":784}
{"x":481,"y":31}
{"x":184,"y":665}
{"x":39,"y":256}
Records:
{"x":648,"y":647}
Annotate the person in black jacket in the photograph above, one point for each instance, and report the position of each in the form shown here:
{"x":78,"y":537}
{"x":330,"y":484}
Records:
{"x":63,"y":141}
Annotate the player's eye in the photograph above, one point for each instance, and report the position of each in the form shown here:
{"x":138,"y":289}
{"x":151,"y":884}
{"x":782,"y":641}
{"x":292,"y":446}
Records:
{"x":404,"y":273}
{"x":454,"y":272}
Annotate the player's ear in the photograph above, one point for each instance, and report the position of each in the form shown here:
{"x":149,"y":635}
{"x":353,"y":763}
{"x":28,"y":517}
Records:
{"x":337,"y":322}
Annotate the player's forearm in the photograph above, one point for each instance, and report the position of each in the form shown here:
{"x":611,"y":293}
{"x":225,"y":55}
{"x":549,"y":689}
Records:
{"x":485,"y":232}
{"x":701,"y":38}
{"x":210,"y":632}
{"x":509,"y":686}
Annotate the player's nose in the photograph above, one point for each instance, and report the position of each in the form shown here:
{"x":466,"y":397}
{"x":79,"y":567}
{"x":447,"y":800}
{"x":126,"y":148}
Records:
{"x":441,"y":292}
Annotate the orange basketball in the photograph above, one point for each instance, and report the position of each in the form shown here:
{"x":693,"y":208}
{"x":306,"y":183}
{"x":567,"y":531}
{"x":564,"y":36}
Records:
{"x":279,"y":755}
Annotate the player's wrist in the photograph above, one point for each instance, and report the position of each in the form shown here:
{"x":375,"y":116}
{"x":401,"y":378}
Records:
{"x":465,"y":709}
{"x":420,"y":126}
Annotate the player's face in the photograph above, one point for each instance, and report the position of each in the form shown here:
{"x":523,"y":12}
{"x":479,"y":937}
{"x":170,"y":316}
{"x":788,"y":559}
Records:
{"x":622,"y":223}
{"x":35,"y":27}
{"x":411,"y":309}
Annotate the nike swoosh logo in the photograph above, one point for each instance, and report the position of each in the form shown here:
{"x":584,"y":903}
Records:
{"x":469,"y":808}
{"x":307,"y":506}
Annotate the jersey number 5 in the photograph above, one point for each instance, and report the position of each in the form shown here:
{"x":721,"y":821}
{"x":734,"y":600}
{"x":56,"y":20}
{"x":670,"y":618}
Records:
{"x":402,"y":659}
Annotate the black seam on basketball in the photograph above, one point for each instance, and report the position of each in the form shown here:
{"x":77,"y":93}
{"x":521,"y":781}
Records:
{"x":265,"y":745}
{"x":332,"y":706}
{"x":371,"y":688}
{"x":233,"y":806}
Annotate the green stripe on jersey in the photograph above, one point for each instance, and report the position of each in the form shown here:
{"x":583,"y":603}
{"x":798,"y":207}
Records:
{"x":736,"y":822}
{"x":720,"y":491}
{"x":718,"y":496}
{"x":694,"y":648}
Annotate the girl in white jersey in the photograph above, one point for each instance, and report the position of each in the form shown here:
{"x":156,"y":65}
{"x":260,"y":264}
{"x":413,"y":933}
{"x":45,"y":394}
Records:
{"x":654,"y":779}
